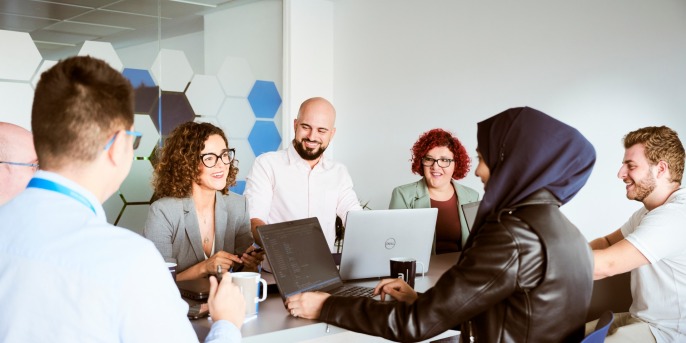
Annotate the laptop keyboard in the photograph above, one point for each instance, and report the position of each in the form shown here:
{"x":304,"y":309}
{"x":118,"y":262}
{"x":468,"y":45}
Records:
{"x":354,"y":291}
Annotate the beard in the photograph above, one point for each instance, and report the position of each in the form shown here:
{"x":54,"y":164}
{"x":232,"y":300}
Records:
{"x":642,"y":188}
{"x":309,"y":154}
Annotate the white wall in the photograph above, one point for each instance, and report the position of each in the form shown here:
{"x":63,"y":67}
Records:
{"x":402,"y":67}
{"x":142,"y":56}
{"x":308,"y":56}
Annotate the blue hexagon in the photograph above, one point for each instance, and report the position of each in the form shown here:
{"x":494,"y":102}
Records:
{"x":239,"y":187}
{"x":264,"y":99}
{"x":139,"y":77}
{"x":264,"y":137}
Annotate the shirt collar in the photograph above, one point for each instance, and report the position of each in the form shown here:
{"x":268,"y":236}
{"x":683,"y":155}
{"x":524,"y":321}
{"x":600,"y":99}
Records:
{"x":57,"y":178}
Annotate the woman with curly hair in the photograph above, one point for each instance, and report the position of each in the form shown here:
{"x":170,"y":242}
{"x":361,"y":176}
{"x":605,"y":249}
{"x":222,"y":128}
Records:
{"x":441,"y":160}
{"x":197,"y":223}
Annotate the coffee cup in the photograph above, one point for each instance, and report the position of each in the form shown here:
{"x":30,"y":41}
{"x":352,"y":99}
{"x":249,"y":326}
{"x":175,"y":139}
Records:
{"x":172,"y":269}
{"x":251,"y":285}
{"x":405,"y":268}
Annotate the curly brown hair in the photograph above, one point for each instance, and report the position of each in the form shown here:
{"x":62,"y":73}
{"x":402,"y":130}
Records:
{"x":661,"y":144}
{"x":439,"y":137}
{"x":179,"y":163}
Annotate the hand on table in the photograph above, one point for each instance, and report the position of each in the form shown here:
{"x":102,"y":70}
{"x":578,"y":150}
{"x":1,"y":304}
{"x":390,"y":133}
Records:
{"x":306,"y":305}
{"x":226,"y":301}
{"x":398,"y":289}
{"x":223,"y":258}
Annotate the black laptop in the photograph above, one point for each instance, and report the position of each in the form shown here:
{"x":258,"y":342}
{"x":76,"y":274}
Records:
{"x":301,"y":261}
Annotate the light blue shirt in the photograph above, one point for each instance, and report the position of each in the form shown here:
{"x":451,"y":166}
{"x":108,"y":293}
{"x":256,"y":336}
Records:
{"x":66,"y":275}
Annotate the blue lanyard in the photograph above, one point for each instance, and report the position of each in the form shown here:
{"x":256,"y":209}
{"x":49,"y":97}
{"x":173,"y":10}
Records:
{"x":56,"y":187}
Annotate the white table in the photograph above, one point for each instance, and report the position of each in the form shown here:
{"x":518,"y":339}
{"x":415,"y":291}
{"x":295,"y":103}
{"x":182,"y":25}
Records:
{"x":274,"y":324}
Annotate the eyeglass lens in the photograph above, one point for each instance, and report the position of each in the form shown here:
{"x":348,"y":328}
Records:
{"x":442,"y":162}
{"x":210,"y":159}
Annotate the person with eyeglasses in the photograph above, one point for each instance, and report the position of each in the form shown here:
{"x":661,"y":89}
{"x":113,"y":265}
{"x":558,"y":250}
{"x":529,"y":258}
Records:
{"x":441,"y":159}
{"x":67,"y":275}
{"x":525,"y":273}
{"x":18,"y":160}
{"x":197,"y":222}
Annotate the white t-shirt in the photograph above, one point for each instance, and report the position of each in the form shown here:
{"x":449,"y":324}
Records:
{"x":281,"y":186}
{"x":659,"y":288}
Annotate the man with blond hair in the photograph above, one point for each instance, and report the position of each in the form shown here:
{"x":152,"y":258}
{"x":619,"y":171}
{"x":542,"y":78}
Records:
{"x":652,"y":243}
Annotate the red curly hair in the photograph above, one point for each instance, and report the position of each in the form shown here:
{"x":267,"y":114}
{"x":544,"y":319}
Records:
{"x":435,"y":138}
{"x":179,"y":164}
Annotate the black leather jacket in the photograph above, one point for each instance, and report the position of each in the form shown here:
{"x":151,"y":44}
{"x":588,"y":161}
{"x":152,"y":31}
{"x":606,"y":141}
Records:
{"x":524,"y":276}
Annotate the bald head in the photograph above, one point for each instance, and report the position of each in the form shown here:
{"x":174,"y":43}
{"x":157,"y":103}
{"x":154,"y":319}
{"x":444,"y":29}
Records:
{"x":16,"y":145}
{"x":314,"y":129}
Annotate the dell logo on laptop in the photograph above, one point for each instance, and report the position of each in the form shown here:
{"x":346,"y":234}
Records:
{"x":390,"y":243}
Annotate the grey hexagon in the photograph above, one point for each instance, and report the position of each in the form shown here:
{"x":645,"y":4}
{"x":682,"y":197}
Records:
{"x":143,"y":124}
{"x":171,"y":70}
{"x":236,"y":77}
{"x":20,"y":57}
{"x":113,"y":206}
{"x":104,"y":51}
{"x":244,"y":155}
{"x":236,"y":117}
{"x":47,"y":64}
{"x":134,"y":217}
{"x":15,"y":103}
{"x":137,"y":187}
{"x":205,"y":95}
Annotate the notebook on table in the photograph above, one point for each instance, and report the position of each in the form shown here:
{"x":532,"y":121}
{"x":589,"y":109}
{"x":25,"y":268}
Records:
{"x":301,"y":260}
{"x":372,"y":238}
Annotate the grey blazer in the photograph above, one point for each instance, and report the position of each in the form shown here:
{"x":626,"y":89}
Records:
{"x":172,"y":225}
{"x":416,"y":195}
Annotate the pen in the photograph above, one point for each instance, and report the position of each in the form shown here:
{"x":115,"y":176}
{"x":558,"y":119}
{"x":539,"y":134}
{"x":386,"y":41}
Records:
{"x":219,"y":273}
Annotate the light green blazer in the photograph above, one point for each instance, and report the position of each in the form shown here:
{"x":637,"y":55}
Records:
{"x":416,"y":195}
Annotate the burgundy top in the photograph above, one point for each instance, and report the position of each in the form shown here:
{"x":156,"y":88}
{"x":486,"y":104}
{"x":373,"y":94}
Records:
{"x":448,"y":228}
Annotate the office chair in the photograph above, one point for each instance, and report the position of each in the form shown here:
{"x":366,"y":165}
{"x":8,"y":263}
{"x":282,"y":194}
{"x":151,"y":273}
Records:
{"x":598,"y":335}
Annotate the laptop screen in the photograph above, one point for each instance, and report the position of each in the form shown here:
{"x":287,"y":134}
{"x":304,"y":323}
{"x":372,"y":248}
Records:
{"x":299,"y":256}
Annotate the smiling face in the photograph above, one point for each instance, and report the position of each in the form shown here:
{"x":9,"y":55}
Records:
{"x":637,"y":173}
{"x":438,"y":177}
{"x":314,"y":129}
{"x":212,"y":179}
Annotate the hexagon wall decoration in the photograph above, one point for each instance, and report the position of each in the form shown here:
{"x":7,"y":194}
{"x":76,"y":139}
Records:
{"x":264,"y":137}
{"x":20,"y":57}
{"x":264,"y":99}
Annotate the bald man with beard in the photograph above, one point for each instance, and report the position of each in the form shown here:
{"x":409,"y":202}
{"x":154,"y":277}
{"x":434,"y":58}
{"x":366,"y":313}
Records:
{"x":18,"y":160}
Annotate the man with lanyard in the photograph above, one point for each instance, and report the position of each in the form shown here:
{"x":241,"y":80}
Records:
{"x":652,"y":243}
{"x":66,"y":275}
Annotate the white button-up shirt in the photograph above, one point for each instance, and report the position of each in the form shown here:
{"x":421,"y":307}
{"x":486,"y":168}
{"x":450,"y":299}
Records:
{"x":66,"y":275}
{"x":281,"y":186}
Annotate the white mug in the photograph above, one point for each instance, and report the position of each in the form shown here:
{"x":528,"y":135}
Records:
{"x":248,"y":283}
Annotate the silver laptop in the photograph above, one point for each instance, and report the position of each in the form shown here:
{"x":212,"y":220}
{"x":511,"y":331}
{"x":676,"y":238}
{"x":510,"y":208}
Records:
{"x":470,"y":211}
{"x":372,"y":238}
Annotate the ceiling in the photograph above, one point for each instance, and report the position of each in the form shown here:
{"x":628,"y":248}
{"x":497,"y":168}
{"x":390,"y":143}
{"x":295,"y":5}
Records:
{"x":59,"y":27}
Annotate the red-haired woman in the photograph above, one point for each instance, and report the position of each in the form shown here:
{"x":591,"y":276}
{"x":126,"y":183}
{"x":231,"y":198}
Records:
{"x":441,"y":160}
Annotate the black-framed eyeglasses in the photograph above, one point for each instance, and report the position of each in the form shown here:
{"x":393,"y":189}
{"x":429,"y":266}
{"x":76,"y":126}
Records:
{"x":442,"y":162}
{"x":136,"y":139}
{"x":32,"y":165}
{"x":210,"y":159}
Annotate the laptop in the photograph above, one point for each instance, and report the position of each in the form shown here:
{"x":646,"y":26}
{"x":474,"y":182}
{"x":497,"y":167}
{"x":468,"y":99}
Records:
{"x":301,"y":260}
{"x":198,"y":289}
{"x":470,"y":211}
{"x":373,"y":237}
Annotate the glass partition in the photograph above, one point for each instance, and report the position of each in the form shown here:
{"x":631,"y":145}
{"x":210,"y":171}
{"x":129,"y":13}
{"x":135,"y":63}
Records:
{"x":216,"y":61}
